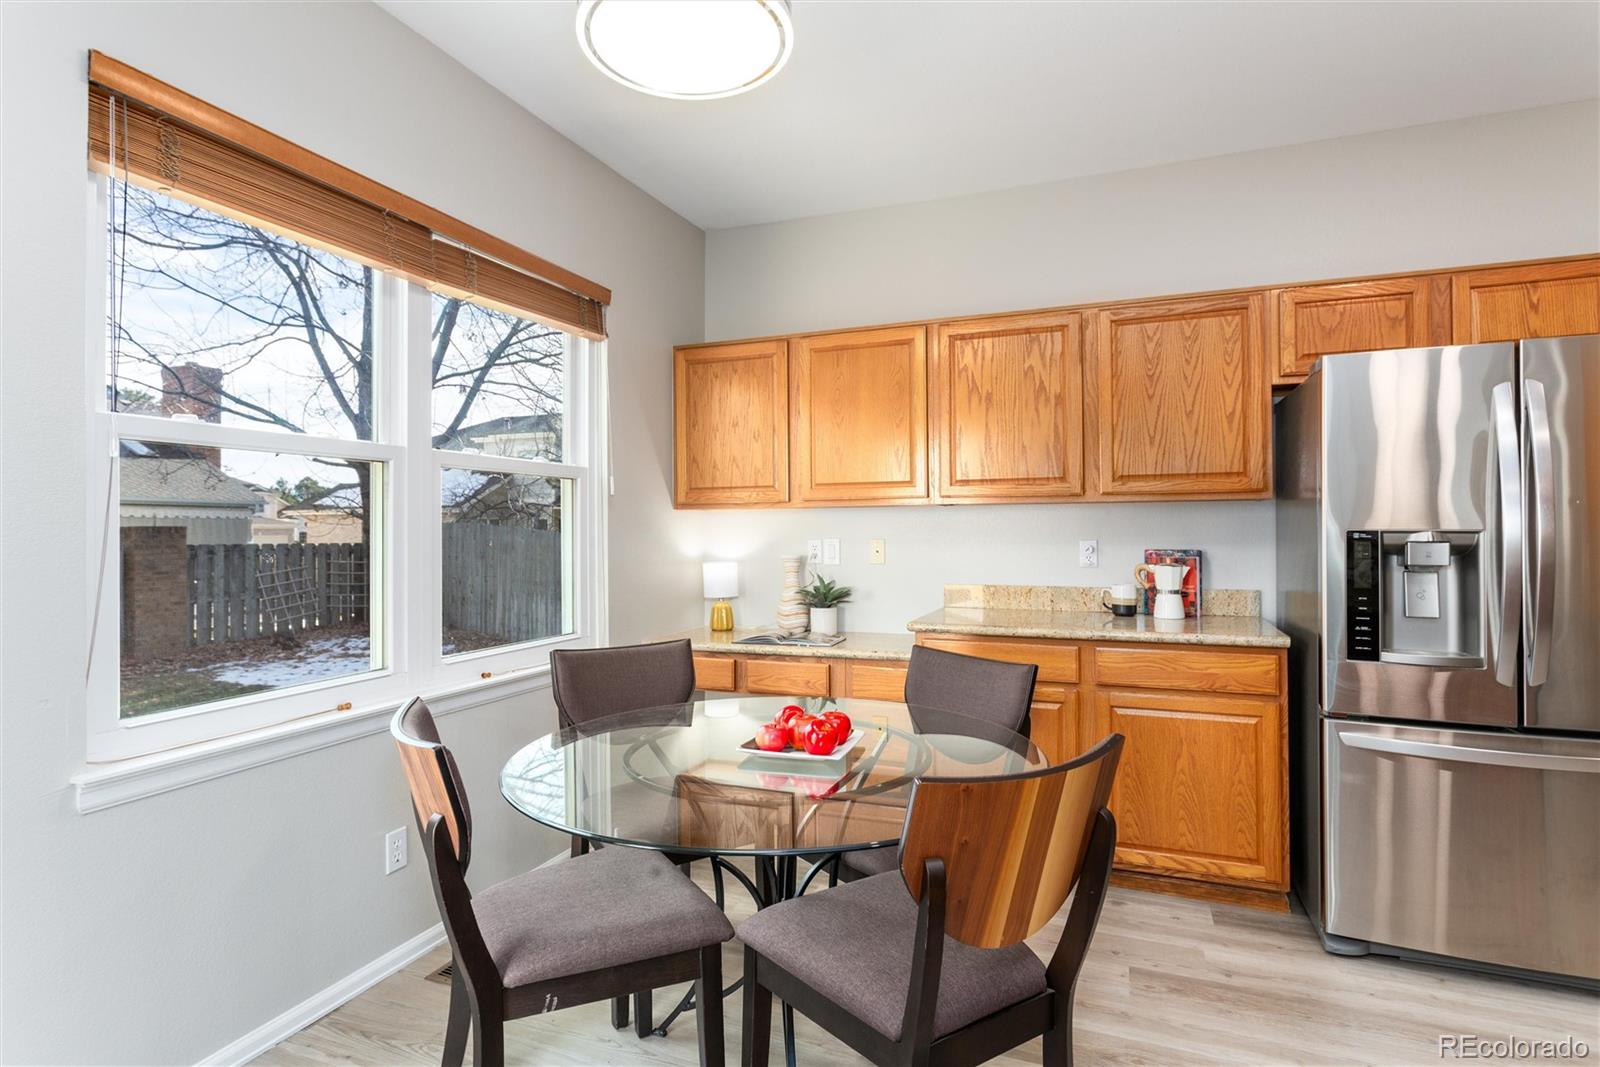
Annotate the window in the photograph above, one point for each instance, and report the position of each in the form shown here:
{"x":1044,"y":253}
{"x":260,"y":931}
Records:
{"x":320,"y":484}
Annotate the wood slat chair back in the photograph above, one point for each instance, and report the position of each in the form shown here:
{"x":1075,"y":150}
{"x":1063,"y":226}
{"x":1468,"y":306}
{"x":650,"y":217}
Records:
{"x":1013,"y":847}
{"x":432,"y":776}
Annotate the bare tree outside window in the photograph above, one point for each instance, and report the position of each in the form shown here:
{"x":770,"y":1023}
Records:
{"x":264,"y":555}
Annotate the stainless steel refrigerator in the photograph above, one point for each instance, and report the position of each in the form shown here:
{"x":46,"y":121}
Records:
{"x":1438,"y":527}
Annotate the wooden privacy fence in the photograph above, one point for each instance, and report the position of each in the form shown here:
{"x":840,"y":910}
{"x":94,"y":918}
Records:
{"x":502,"y":580}
{"x":237,"y":592}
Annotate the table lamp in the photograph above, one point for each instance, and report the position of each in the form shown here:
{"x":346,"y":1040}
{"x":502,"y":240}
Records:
{"x":721,"y":585}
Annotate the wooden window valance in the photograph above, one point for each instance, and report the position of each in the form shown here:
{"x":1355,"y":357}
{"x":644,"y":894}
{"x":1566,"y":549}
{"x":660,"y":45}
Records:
{"x":171,"y":141}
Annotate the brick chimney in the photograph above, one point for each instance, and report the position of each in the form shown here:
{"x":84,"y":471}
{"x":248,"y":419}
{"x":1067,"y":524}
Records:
{"x":191,"y":389}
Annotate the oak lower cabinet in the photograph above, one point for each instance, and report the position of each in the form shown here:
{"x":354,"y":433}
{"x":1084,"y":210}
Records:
{"x":1527,"y":300}
{"x":1006,"y":400}
{"x":800,"y":676}
{"x":1201,"y":791}
{"x":861,"y":416}
{"x":1183,"y":400}
{"x":731,"y":434}
{"x":1201,"y":797}
{"x":1366,"y":316}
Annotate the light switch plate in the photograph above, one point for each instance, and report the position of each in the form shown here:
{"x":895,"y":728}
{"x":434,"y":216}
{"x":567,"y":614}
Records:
{"x":875,"y":550}
{"x":1088,"y":553}
{"x":830,"y":551}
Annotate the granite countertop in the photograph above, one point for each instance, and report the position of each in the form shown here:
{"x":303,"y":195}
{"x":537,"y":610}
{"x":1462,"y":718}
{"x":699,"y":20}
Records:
{"x":1244,"y":630}
{"x":854,"y":646}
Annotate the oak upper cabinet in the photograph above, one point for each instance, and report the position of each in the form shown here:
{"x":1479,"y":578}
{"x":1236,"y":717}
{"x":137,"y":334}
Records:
{"x":1201,"y":790}
{"x":1007,"y":407}
{"x":1532,"y":300}
{"x":731,"y":423}
{"x":1318,"y":320}
{"x":1182,"y":399}
{"x":861,"y":416}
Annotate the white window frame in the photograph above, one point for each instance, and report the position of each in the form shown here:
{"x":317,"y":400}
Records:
{"x":405,"y":594}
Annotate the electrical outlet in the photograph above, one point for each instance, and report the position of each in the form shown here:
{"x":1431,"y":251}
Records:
{"x":875,"y":550}
{"x":830,"y":551}
{"x":814,"y":551}
{"x":394,"y":850}
{"x":1088,"y":553}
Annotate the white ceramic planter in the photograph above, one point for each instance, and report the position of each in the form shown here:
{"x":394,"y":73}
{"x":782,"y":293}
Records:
{"x":825,"y":621}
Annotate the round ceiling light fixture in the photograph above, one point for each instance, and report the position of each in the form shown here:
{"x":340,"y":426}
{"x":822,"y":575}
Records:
{"x":687,"y":49}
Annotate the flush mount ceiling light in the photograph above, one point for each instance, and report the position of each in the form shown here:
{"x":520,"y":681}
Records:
{"x":687,"y":49}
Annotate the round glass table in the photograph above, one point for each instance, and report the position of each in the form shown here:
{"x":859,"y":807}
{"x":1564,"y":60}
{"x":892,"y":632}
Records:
{"x":686,"y":780}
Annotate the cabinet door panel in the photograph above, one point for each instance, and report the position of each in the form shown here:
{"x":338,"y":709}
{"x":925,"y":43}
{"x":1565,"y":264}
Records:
{"x":1200,"y":788}
{"x":1538,"y":300}
{"x":861,"y":415}
{"x":1317,"y":320}
{"x":732,"y":424}
{"x":1056,"y":721}
{"x":715,"y":673}
{"x":1183,"y":402}
{"x":878,"y":681}
{"x":1008,"y":407}
{"x":779,"y":676}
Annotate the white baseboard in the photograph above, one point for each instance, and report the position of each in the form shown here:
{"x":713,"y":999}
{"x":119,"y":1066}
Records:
{"x":319,"y":1004}
{"x":335,"y":996}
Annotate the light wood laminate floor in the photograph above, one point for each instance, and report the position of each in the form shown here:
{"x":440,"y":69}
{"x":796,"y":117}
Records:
{"x":1169,"y":981}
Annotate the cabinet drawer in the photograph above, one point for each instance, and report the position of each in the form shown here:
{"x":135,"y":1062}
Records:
{"x":714,"y":673}
{"x":1208,"y":671}
{"x":878,"y":681}
{"x":1057,"y":662}
{"x":784,"y":677}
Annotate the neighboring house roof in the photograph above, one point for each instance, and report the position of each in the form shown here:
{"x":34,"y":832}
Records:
{"x":182,"y":482}
{"x":472,"y":438}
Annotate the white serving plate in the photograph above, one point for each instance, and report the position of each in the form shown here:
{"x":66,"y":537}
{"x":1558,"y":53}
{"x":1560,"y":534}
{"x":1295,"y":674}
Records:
{"x":802,"y":756}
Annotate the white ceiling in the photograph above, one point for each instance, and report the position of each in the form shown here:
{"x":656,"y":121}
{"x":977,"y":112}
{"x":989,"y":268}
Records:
{"x":887,"y":103}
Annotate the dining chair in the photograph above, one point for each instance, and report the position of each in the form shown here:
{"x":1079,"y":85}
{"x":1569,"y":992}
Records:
{"x":967,"y":686}
{"x":592,"y":683}
{"x":927,"y":965}
{"x":603,"y":926}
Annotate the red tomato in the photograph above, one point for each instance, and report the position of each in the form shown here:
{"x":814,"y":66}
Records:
{"x":821,"y":737}
{"x":772,"y":738}
{"x":839,"y":720}
{"x":789,"y":711}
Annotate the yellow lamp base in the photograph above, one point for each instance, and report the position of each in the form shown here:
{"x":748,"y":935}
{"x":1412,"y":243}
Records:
{"x":721,"y":616}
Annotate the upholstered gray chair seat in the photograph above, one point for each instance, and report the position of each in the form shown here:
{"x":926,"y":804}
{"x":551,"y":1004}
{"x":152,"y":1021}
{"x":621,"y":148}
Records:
{"x":610,"y":907}
{"x":853,"y":944}
{"x":869,"y":861}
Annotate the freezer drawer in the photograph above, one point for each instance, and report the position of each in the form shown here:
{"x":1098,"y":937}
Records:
{"x":1464,"y":843}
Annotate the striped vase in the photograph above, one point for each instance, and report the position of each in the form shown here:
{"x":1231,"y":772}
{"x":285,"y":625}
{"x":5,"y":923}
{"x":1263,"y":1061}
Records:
{"x":793,"y":615}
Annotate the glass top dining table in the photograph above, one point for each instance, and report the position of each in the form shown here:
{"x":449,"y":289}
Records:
{"x":685,"y":780}
{"x":681,"y":778}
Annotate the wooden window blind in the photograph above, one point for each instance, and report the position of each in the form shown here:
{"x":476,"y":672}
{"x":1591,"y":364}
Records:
{"x":182,"y":146}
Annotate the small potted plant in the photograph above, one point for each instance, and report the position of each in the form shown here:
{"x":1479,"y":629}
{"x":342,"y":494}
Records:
{"x":823,"y":597}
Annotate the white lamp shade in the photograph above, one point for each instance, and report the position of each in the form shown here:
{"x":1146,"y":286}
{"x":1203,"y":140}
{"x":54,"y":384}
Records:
{"x":721,"y":580}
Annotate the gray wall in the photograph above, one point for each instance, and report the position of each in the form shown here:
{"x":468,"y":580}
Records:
{"x":1512,"y":186}
{"x":161,"y":930}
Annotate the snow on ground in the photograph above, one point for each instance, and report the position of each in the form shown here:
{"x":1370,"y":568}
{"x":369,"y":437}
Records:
{"x":316,"y":658}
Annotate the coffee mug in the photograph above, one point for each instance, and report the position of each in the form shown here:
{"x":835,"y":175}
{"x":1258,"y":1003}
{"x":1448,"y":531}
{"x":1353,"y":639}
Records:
{"x":1121,"y":599}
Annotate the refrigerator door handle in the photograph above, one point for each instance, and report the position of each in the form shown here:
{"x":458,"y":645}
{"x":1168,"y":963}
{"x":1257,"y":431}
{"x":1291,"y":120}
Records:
{"x":1538,"y":594}
{"x":1397,"y":746}
{"x":1508,"y":531}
